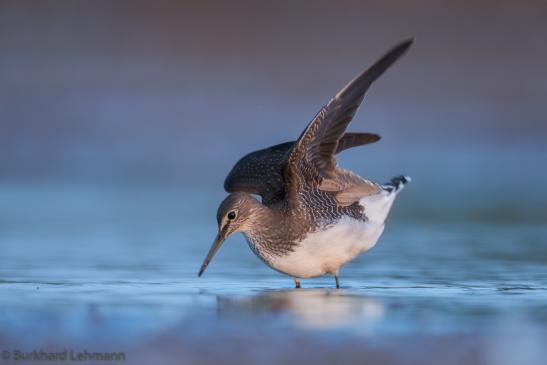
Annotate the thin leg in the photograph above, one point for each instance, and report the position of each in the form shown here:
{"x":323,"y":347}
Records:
{"x":337,"y":281}
{"x":297,"y":282}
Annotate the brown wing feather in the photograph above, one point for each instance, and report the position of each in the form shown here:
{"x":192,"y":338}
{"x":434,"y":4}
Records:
{"x":312,"y":158}
{"x":261,"y":172}
{"x":349,"y":187}
{"x":350,"y":140}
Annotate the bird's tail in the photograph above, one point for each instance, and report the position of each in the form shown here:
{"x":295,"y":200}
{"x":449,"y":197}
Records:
{"x":397,"y":183}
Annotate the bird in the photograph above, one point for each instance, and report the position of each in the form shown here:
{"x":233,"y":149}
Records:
{"x":302,"y":214}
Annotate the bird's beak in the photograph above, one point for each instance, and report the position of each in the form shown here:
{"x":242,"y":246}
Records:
{"x":221,"y":237}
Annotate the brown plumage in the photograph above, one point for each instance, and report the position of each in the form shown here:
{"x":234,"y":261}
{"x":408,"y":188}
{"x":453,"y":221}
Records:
{"x":261,"y":172}
{"x":313,"y":158}
{"x":306,"y":198}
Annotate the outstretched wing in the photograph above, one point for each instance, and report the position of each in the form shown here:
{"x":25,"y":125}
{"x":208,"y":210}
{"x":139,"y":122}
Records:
{"x":312,"y":158}
{"x":261,"y":172}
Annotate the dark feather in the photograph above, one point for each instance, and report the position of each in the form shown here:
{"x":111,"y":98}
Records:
{"x":312,"y":158}
{"x":261,"y":172}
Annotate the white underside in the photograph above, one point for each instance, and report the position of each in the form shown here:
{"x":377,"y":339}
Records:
{"x":326,"y":251}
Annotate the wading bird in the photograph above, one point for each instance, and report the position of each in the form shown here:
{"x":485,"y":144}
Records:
{"x":314,"y":216}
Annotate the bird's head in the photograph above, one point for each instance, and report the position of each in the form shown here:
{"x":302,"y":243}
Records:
{"x":233,"y":215}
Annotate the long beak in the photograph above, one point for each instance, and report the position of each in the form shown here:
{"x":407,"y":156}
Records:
{"x":221,"y":237}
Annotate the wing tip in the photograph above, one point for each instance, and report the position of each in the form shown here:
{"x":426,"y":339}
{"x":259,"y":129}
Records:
{"x":407,"y":42}
{"x":360,"y":84}
{"x":402,"y":47}
{"x":398,"y":50}
{"x":374,"y":137}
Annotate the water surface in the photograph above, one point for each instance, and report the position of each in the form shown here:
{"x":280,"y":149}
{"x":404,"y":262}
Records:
{"x":111,"y":269}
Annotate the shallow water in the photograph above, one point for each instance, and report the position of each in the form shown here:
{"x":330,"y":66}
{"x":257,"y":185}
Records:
{"x":115,"y":270}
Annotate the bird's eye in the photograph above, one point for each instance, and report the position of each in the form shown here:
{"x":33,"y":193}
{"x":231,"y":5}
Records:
{"x":232,"y":215}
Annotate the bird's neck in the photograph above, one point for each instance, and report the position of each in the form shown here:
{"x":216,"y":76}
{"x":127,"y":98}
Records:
{"x":270,"y":232}
{"x":263,"y":223}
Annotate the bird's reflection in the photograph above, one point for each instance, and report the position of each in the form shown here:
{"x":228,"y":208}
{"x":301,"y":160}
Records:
{"x":309,"y":308}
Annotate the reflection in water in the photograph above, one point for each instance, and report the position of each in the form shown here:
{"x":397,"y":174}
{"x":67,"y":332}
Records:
{"x":113,"y":273}
{"x":309,"y":308}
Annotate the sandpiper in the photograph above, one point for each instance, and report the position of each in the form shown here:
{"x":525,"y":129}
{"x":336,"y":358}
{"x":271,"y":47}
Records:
{"x":314,"y":216}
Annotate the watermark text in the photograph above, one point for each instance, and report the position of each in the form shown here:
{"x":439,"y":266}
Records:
{"x":64,"y":355}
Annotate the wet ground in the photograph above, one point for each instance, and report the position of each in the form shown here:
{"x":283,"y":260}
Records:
{"x":115,"y":271}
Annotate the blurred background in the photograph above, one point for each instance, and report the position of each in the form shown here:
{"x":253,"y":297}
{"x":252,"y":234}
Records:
{"x":120,"y":119}
{"x":134,"y":93}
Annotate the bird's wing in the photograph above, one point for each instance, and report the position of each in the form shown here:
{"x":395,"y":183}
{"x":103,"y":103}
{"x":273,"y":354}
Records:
{"x":312,"y":159}
{"x":261,"y":172}
{"x":349,"y":187}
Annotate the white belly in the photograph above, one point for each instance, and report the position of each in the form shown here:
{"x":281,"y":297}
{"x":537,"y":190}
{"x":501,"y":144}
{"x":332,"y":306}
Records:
{"x":326,"y":251}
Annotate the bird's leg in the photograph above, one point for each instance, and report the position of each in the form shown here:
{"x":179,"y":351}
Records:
{"x":297,"y":283}
{"x":337,"y":280}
